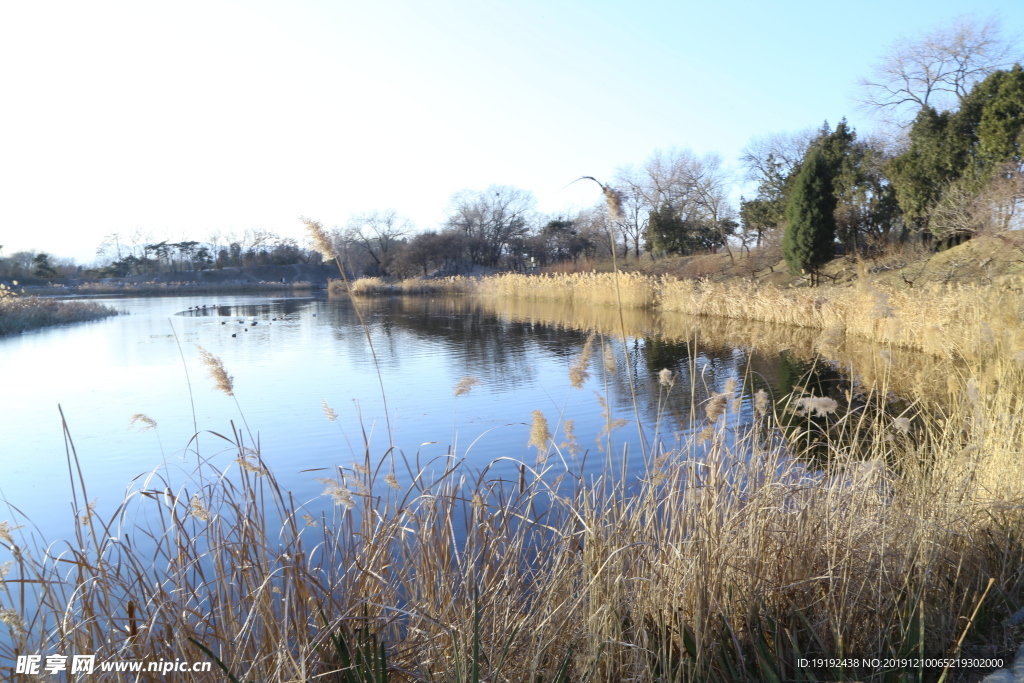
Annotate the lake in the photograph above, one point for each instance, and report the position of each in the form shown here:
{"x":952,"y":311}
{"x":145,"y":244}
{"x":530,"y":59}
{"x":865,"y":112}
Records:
{"x":289,"y":355}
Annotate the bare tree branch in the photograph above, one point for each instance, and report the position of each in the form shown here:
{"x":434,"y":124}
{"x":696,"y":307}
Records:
{"x":937,"y":70}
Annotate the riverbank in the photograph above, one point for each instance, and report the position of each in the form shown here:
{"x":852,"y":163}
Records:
{"x":945,"y":320}
{"x":729,"y":560}
{"x":172,"y":288}
{"x":941,"y":320}
{"x":23,"y":313}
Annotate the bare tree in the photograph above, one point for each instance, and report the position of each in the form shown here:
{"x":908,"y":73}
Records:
{"x":635,"y":208}
{"x":937,"y":70}
{"x":773,"y":157}
{"x":139,"y":237}
{"x":491,"y":220}
{"x":378,"y":234}
{"x":111,"y":247}
{"x":965,"y":211}
{"x":693,"y":188}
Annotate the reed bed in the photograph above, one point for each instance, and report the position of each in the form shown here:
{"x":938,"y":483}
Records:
{"x":366,"y":286}
{"x":906,"y":371}
{"x":628,"y":289}
{"x":727,"y":559}
{"x":941,"y":320}
{"x":22,"y":313}
{"x":952,"y":321}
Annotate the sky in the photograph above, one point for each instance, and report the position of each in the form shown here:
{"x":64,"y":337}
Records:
{"x":186,"y":119}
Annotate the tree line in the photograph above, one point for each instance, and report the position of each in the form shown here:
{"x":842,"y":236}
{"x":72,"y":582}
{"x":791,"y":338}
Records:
{"x":951,"y":168}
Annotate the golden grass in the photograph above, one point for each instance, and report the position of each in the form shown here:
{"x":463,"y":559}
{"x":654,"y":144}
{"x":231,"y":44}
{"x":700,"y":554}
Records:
{"x":728,"y":558}
{"x":613,"y":579}
{"x":367,"y":286}
{"x":22,"y":313}
{"x":942,"y":321}
{"x":907,"y":372}
{"x":636,"y":290}
{"x":952,"y":321}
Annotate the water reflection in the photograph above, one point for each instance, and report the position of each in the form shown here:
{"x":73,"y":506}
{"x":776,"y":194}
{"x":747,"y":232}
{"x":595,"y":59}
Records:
{"x":304,"y":351}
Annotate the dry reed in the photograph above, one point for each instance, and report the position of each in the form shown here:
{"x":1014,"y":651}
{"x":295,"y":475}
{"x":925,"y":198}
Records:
{"x":23,"y":313}
{"x":946,"y":321}
{"x":605,"y":577}
{"x":367,"y":286}
{"x":727,"y":559}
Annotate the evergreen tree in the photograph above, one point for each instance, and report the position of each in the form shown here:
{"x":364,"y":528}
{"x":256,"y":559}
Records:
{"x":809,"y":240}
{"x":668,"y":232}
{"x":43,"y":267}
{"x":961,"y":151}
{"x":866,"y":205}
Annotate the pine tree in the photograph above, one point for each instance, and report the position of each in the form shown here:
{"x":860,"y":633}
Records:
{"x":960,"y":151}
{"x":809,"y":240}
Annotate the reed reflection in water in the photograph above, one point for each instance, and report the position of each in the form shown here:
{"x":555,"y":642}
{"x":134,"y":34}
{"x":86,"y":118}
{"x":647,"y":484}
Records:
{"x":305,"y":351}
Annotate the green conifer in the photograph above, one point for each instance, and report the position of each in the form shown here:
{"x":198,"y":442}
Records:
{"x":809,"y":240}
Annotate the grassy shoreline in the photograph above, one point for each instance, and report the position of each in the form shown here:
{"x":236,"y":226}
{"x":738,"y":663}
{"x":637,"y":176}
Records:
{"x":20,"y":314}
{"x":729,"y":560}
{"x":954,"y":321}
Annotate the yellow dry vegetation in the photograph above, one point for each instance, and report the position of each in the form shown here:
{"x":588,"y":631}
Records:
{"x":728,"y":558}
{"x":23,"y":313}
{"x":941,"y":320}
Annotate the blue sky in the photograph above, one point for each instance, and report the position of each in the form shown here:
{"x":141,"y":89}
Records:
{"x":187,"y":118}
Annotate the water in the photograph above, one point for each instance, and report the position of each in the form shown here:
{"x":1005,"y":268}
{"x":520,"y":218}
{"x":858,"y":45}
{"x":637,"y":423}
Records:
{"x":103,"y":373}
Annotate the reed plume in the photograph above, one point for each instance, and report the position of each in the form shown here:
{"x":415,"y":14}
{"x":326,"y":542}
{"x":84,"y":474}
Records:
{"x":465,"y":385}
{"x":321,"y":241}
{"x":197,"y":509}
{"x":578,"y":374}
{"x":217,"y":373}
{"x":539,"y":432}
{"x":148,"y":423}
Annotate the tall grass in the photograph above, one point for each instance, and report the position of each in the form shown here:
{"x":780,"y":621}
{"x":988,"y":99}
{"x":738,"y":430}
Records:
{"x":939,"y":320}
{"x":22,"y":313}
{"x":636,"y":290}
{"x":952,"y":321}
{"x":907,"y":372}
{"x":729,"y":559}
{"x":424,"y":286}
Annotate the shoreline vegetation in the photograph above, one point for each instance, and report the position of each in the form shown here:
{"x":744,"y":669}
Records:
{"x":738,"y":553}
{"x":730,"y":559}
{"x":170,"y":288}
{"x":943,"y":320}
{"x":23,"y":313}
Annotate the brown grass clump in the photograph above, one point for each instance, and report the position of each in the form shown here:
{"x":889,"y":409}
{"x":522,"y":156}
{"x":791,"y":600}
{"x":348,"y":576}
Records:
{"x":456,"y":284}
{"x":23,"y":313}
{"x":367,"y":286}
{"x":637,"y":290}
{"x":949,"y":321}
{"x":370,"y":285}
